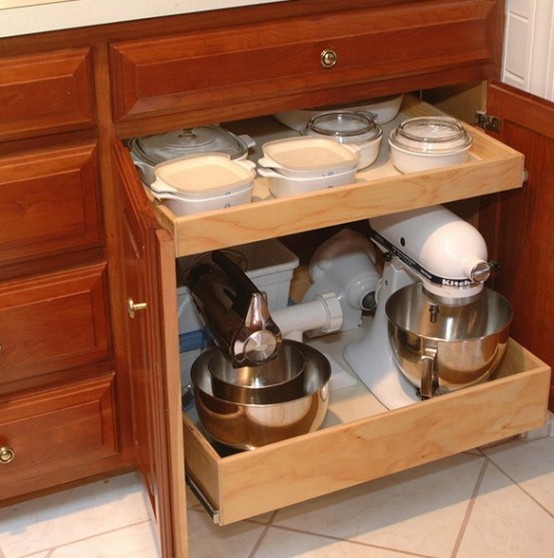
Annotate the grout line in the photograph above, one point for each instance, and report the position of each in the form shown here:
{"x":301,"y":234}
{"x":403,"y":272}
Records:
{"x":51,"y":550}
{"x":514,"y":481}
{"x":264,"y":532}
{"x":471,"y":505}
{"x":350,"y":541}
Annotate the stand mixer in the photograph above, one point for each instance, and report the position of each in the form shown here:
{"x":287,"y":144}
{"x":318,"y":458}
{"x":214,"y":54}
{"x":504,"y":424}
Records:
{"x":446,"y":258}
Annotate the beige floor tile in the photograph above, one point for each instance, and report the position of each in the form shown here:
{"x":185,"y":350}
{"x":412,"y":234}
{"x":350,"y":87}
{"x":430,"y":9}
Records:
{"x":279,"y":543}
{"x":207,"y":540}
{"x":419,"y":511}
{"x":531,"y":465}
{"x":64,"y":517}
{"x":136,"y":541}
{"x":506,"y":523}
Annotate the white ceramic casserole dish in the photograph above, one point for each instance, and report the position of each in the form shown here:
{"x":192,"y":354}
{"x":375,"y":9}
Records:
{"x":204,"y":182}
{"x":307,"y":157}
{"x":149,"y":151}
{"x":381,"y":111}
{"x":282,"y":186}
{"x":429,"y":142}
{"x":354,"y":130}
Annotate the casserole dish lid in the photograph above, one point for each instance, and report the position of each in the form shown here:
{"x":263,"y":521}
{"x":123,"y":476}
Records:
{"x":307,"y":153}
{"x":199,"y":176}
{"x":345,"y":126}
{"x":431,"y":134}
{"x":157,"y":148}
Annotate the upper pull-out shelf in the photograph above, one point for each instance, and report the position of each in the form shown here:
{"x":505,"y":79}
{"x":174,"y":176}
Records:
{"x":379,"y":190}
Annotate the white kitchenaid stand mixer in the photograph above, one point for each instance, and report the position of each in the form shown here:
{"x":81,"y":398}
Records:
{"x":431,"y":245}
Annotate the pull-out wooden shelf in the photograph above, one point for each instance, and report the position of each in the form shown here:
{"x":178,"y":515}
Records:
{"x":379,"y":190}
{"x":333,"y":458}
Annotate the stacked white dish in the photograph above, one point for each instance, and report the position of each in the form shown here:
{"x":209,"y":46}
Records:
{"x":428,"y":142}
{"x":204,"y":182}
{"x":357,"y":131}
{"x":305,"y":164}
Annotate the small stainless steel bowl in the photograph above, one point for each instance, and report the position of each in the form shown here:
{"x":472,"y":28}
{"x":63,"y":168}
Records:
{"x":278,"y":380}
{"x":248,"y":425}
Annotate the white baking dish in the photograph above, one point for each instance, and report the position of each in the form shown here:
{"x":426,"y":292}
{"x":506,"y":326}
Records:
{"x":307,"y":157}
{"x":204,"y":182}
{"x":282,"y":186}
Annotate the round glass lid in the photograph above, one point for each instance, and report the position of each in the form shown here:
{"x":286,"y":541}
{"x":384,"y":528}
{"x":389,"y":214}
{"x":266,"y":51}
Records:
{"x":347,"y":125}
{"x":431,"y":134}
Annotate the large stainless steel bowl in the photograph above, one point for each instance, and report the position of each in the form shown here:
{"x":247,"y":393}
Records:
{"x":280,"y":379}
{"x":443,"y":348}
{"x":248,"y":425}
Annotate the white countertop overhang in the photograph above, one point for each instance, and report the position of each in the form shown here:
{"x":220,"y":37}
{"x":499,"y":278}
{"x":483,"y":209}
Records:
{"x":23,"y":17}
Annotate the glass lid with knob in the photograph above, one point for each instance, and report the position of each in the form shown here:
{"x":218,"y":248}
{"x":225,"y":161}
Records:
{"x":431,"y":134}
{"x":345,"y":126}
{"x":158,"y":148}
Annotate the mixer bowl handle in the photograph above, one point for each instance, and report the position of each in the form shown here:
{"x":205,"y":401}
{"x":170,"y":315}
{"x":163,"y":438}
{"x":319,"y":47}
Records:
{"x":429,"y":372}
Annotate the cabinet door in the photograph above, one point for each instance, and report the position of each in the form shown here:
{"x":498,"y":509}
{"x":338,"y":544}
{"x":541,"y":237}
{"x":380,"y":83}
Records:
{"x":151,"y":347}
{"x":518,"y":224}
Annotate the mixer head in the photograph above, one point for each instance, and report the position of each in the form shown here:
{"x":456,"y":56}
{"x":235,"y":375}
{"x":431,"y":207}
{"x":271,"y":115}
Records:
{"x":447,"y":254}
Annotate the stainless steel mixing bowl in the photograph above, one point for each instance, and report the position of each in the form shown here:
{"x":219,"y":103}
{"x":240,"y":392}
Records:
{"x":249,"y":426}
{"x":443,"y":348}
{"x":279,"y":379}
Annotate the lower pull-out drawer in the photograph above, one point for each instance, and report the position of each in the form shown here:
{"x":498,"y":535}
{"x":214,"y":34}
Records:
{"x":249,"y":483}
{"x":51,"y":430}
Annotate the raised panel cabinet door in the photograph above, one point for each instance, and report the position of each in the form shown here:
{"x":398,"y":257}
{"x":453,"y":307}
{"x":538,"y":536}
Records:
{"x":152,"y":355}
{"x":49,"y":202}
{"x":50,"y":92}
{"x":55,"y":429}
{"x":53,"y":322}
{"x":519,"y":225}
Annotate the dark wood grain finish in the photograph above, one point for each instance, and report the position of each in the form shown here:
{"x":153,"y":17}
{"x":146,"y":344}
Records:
{"x":245,"y":67}
{"x":48,"y":92}
{"x":518,"y":225}
{"x":49,"y":202}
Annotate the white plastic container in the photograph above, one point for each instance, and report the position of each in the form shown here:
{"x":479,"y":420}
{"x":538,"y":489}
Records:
{"x":203,"y":182}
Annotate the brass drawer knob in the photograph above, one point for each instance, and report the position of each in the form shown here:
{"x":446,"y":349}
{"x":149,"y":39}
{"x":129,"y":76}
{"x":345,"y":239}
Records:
{"x":7,"y":454}
{"x":133,"y":307}
{"x":328,"y":58}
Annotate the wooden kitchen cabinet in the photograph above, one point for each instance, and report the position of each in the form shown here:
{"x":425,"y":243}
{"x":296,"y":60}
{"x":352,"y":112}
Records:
{"x":159,"y":75}
{"x":58,"y":387}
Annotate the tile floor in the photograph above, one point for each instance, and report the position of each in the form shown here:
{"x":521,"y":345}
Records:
{"x":495,"y":502}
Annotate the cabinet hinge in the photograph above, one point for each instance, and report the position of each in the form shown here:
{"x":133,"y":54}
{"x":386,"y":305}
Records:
{"x":488,"y":121}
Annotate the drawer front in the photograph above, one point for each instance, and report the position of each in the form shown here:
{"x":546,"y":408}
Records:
{"x":46,"y":93}
{"x":53,"y":322}
{"x":54,"y":429}
{"x":281,"y":474}
{"x":49,"y":202}
{"x":253,"y":63}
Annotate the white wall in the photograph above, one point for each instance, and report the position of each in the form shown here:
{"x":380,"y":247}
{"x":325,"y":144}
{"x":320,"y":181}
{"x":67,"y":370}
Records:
{"x":529,"y":46}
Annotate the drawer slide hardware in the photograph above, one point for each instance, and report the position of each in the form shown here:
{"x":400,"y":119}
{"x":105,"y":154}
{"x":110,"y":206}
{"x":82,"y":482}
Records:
{"x":488,"y":121}
{"x":203,"y":499}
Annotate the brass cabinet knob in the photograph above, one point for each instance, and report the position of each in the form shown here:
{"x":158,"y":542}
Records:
{"x":133,"y":307}
{"x":328,"y":58}
{"x":7,"y":454}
